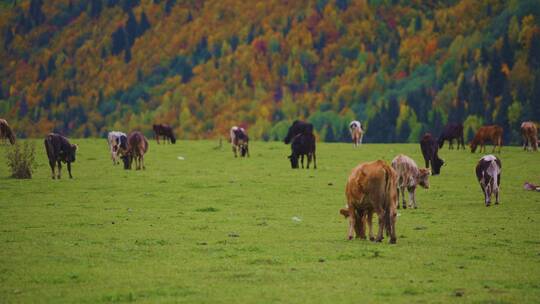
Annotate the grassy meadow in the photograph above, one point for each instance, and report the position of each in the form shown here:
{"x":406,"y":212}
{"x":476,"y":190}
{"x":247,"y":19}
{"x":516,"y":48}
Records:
{"x":209,"y":228}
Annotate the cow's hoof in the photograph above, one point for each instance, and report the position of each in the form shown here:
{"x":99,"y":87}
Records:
{"x":393,"y":241}
{"x":53,"y":177}
{"x":378,"y":240}
{"x":371,"y":238}
{"x":404,"y":206}
{"x":350,"y":237}
{"x":487,"y":205}
{"x":398,"y":206}
{"x":415,"y":207}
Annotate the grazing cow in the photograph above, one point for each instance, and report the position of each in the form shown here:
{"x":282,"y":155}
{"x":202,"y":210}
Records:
{"x":303,"y":144}
{"x":298,"y":127}
{"x":6,"y":132}
{"x":491,"y":133}
{"x":239,"y":141}
{"x":451,"y":131}
{"x":529,"y":132}
{"x":430,"y":150}
{"x":59,"y":150}
{"x":488,"y":172}
{"x":371,"y":187}
{"x":117,"y":143}
{"x":137,"y":145}
{"x":164,"y":130}
{"x":356,"y":132}
{"x":409,"y":176}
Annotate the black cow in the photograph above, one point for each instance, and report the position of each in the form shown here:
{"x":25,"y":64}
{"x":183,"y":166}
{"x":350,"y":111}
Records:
{"x":298,"y":127}
{"x":303,"y":144}
{"x":488,"y":173}
{"x":430,"y":151}
{"x":59,"y":150}
{"x":451,"y":131}
{"x":164,"y":130}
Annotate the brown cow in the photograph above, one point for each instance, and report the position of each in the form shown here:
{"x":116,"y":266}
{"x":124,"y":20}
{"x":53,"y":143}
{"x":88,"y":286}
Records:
{"x":409,"y":176}
{"x":371,"y":188}
{"x":491,"y":133}
{"x":529,"y":132}
{"x":137,"y":145}
{"x":6,"y":132}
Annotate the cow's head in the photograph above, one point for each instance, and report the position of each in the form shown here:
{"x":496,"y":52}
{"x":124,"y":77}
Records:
{"x":70,"y":157}
{"x":294,"y":161}
{"x":126,"y":158}
{"x":423,"y":177}
{"x":473,"y":146}
{"x":437,"y":164}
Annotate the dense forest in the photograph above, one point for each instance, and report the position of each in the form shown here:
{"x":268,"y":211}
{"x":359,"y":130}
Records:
{"x":402,"y":67}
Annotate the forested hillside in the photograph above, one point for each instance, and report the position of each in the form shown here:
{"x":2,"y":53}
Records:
{"x":83,"y":68}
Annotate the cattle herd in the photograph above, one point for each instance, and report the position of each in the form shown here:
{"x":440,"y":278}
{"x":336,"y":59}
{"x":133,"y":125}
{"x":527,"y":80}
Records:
{"x":372,"y":187}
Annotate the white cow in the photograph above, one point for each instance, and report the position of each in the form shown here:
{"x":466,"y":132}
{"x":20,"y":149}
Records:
{"x":355,"y":127}
{"x":409,"y":176}
{"x":488,"y":172}
{"x":116,"y":141}
{"x":239,"y":141}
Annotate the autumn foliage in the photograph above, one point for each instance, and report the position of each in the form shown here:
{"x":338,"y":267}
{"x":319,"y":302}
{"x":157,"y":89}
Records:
{"x":83,"y":68}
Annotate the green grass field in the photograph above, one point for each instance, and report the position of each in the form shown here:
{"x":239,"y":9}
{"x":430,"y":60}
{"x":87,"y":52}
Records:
{"x":214,"y":229}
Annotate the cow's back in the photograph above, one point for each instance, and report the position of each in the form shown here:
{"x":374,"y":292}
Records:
{"x":371,"y":185}
{"x":406,"y":169}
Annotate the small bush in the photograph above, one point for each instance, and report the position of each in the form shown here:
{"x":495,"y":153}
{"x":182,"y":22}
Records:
{"x":21,"y":159}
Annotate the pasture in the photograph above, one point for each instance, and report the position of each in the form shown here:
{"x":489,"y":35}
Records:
{"x":210,"y":228}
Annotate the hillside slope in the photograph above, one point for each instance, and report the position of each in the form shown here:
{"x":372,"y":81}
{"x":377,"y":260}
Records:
{"x":402,"y":67}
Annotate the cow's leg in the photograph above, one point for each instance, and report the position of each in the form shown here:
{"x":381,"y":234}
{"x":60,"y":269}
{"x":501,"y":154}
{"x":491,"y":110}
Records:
{"x":402,"y":188}
{"x":59,"y":169}
{"x":302,"y":160}
{"x":381,"y":216}
{"x":308,"y":159}
{"x":52,"y":164}
{"x":314,"y":161}
{"x":234,"y":151}
{"x":497,"y":189}
{"x":352,"y":220}
{"x":392,"y":227}
{"x":462,"y":142}
{"x":69,"y":169}
{"x":142,"y":161}
{"x":450,"y":144}
{"x":359,"y":226}
{"x":412,"y":196}
{"x":370,"y":225}
{"x":485,"y":189}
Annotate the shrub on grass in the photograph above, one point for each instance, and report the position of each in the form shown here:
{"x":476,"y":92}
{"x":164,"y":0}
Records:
{"x":21,"y":159}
